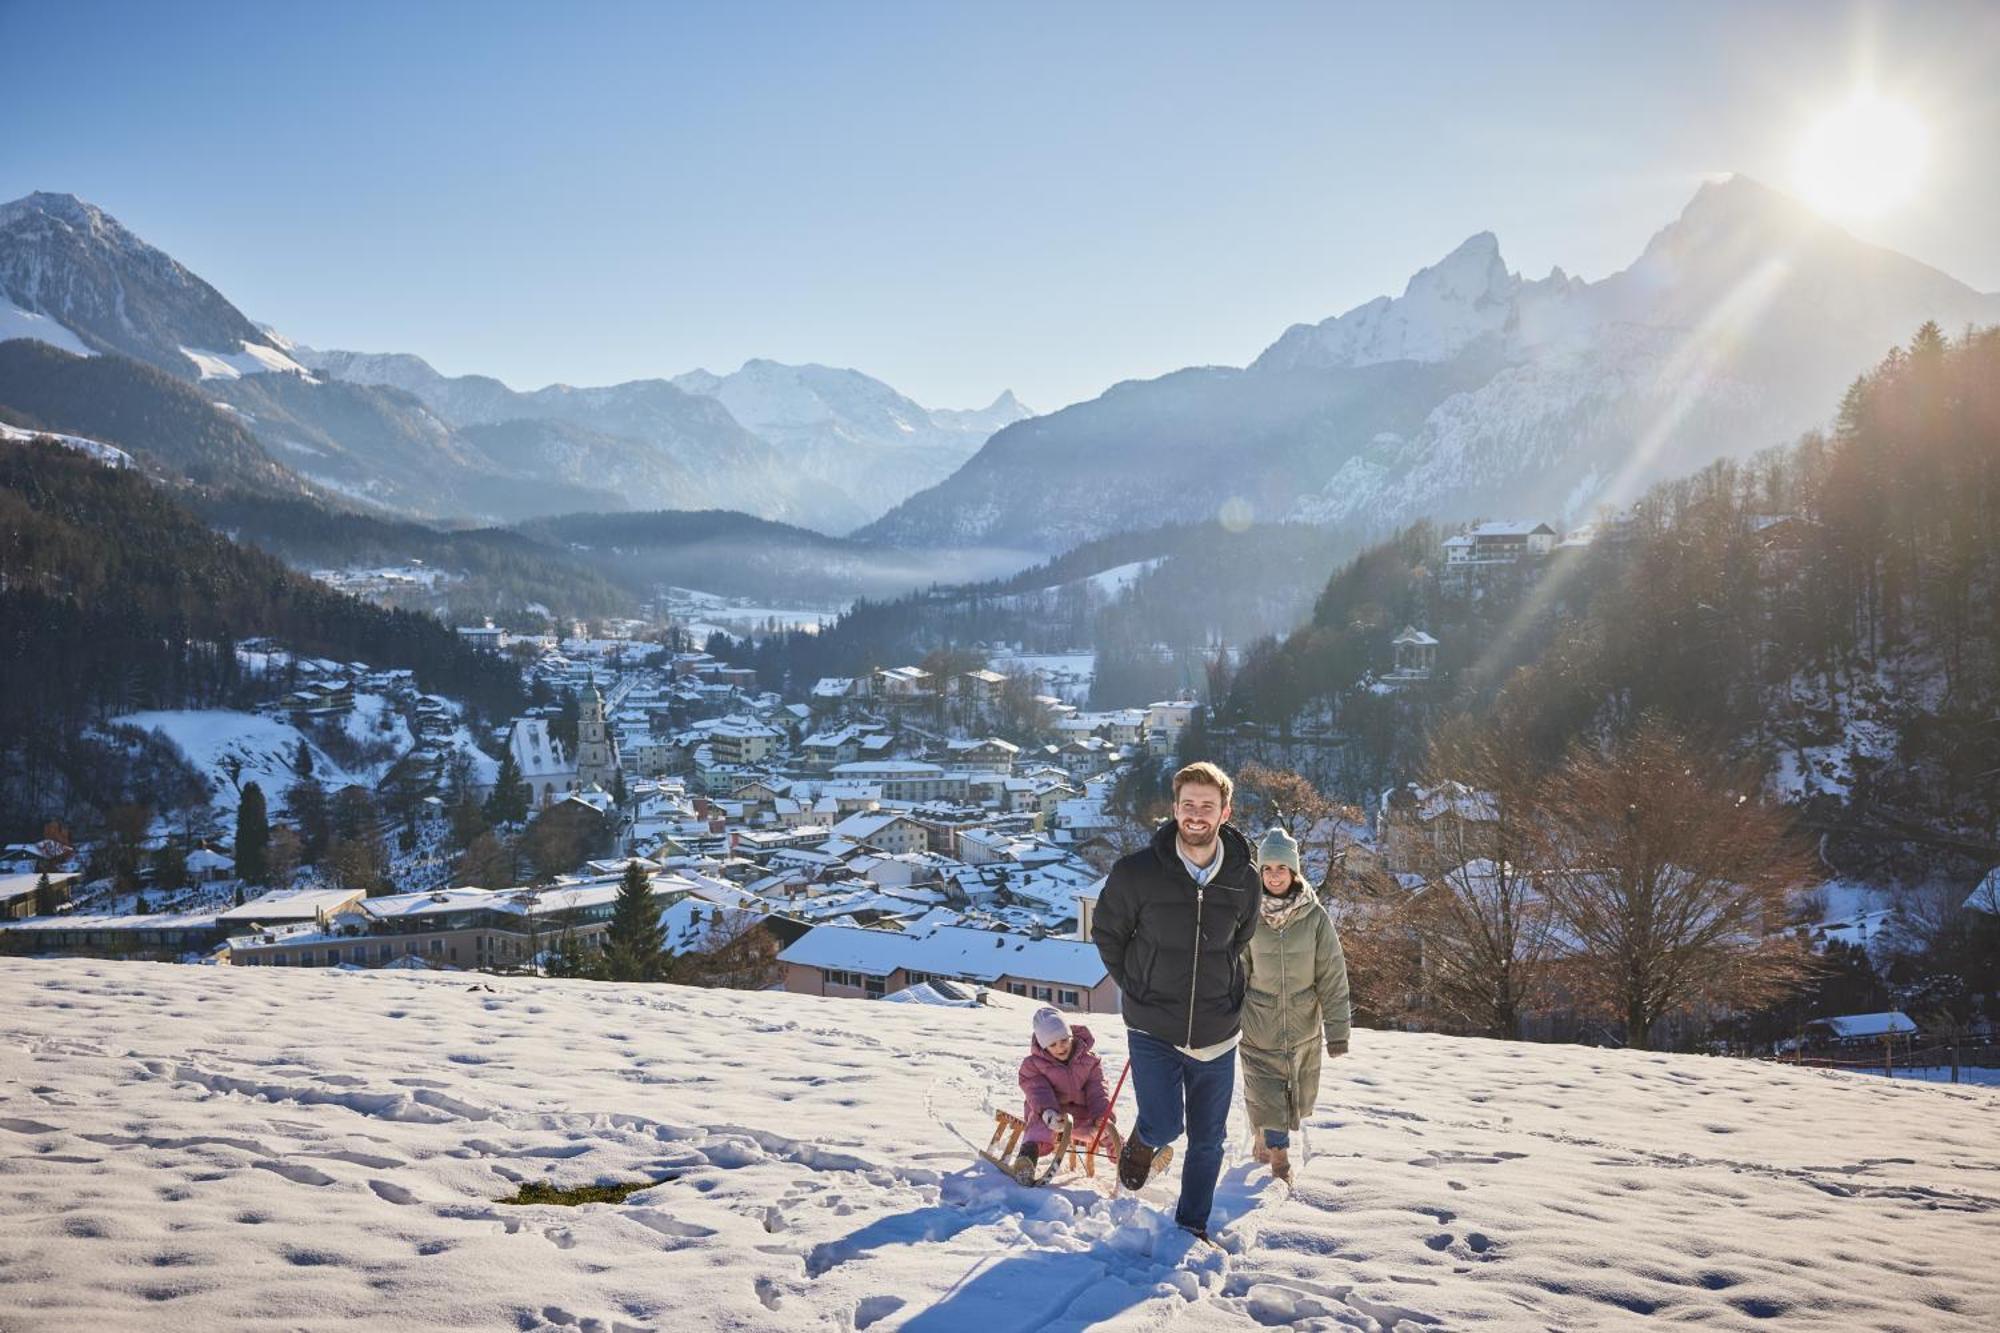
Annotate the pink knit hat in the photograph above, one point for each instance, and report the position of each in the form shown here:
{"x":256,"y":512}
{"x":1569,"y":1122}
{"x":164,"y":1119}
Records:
{"x":1050,"y":1026}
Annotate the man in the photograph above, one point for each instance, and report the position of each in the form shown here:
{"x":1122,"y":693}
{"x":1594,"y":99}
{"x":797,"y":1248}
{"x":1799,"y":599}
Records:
{"x":1171,"y":925}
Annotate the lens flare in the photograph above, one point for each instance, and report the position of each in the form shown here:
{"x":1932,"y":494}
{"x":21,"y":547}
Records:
{"x":1862,"y":159}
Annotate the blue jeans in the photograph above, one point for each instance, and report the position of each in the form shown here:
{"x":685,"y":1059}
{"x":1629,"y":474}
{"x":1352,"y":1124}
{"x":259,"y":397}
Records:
{"x":1173,"y":1089}
{"x":1277,"y":1138}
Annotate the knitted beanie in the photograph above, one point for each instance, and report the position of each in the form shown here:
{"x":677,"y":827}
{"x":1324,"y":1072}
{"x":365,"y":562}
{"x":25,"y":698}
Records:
{"x":1278,"y":849}
{"x":1050,"y":1026}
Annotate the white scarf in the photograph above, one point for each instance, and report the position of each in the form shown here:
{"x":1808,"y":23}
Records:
{"x":1281,"y":912}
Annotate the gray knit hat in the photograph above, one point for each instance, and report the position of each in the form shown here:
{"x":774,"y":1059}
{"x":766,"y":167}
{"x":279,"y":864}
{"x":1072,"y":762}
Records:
{"x":1277,"y":848}
{"x":1050,"y":1026}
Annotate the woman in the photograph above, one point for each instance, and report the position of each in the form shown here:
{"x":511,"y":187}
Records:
{"x":1297,"y":1000}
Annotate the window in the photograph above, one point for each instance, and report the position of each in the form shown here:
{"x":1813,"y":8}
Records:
{"x":1045,"y":993}
{"x":874,"y":987}
{"x":382,"y":953}
{"x":437,"y":947}
{"x":1016,"y":988}
{"x":1069,"y":998}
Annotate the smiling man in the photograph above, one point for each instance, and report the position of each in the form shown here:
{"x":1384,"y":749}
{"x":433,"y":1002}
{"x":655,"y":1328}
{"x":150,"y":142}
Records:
{"x":1172,"y":924}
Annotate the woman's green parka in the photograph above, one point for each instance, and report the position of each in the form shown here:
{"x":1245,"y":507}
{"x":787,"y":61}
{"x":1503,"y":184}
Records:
{"x":1296,"y":1004}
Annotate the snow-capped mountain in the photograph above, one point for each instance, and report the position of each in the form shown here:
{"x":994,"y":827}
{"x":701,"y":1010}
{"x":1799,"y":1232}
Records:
{"x":640,"y":445}
{"x":827,"y":448}
{"x":868,"y":444}
{"x":1477,"y":391}
{"x":73,"y":277}
{"x":835,"y":448}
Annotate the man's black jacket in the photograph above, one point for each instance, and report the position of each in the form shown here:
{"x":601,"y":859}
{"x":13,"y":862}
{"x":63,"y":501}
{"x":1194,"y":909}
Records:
{"x":1175,"y":949}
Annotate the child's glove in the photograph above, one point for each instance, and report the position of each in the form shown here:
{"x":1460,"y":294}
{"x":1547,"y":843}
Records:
{"x":1052,"y":1118}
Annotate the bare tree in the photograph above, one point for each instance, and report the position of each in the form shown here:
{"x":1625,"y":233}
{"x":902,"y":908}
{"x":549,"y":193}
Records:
{"x":1377,"y":937}
{"x":1670,"y":879}
{"x":1482,"y":919}
{"x":1267,"y":796}
{"x":734,"y":952}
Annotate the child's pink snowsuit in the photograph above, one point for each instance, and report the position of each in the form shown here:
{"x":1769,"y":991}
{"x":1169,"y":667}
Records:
{"x":1075,"y":1087}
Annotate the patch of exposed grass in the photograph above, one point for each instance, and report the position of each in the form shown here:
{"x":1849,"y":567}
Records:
{"x":536,"y":1191}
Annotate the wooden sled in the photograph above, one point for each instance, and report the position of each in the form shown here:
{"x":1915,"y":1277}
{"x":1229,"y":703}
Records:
{"x":1067,"y":1155}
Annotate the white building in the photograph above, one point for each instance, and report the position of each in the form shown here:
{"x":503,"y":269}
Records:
{"x":544,"y":767}
{"x":1487,"y":544}
{"x":1416,"y":655}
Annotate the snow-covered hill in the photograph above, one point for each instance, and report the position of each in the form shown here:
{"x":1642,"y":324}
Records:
{"x":231,"y":748}
{"x":196,"y":1147}
{"x":1736,"y":329}
{"x":108,"y":454}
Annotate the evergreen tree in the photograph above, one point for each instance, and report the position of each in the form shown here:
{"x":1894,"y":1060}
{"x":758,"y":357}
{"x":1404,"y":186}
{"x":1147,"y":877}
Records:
{"x":509,"y":802}
{"x":618,"y":788}
{"x":635,"y":945}
{"x":468,"y":821}
{"x":128,"y":827}
{"x":355,"y":814}
{"x":170,"y":869}
{"x":253,"y":836}
{"x":563,"y":726}
{"x":568,"y":959}
{"x":45,"y":896}
{"x":302,"y":762}
{"x":283,"y":855}
{"x":306,"y":799}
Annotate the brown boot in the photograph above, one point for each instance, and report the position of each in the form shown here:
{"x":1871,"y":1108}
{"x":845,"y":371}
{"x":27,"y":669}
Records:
{"x":1281,"y":1165}
{"x":1260,"y":1154}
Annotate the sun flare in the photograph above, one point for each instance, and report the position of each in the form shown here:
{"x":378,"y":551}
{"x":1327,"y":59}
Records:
{"x":1862,"y":158}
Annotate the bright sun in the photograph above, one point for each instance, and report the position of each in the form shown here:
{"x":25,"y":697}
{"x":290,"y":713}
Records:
{"x":1861,"y":159}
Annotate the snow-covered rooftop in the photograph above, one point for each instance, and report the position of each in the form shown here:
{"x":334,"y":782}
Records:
{"x":290,"y":905}
{"x":1854,"y":1027}
{"x":952,"y":951}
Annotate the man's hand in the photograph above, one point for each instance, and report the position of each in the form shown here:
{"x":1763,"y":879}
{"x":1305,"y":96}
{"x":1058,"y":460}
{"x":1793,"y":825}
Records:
{"x":1336,"y":1048}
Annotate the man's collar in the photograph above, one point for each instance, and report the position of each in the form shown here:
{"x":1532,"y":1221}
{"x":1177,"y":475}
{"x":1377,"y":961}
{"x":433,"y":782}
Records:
{"x":1181,"y":850}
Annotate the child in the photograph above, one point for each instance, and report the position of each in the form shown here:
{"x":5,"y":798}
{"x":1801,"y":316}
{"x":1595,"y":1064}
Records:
{"x":1061,"y":1076}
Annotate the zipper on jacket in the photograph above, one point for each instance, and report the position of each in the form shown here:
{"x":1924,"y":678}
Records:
{"x":1284,"y":992}
{"x":1194,"y":974}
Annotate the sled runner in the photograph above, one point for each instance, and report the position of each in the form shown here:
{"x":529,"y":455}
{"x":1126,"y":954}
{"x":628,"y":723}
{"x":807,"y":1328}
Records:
{"x":1068,"y":1157}
{"x":1010,"y":1128}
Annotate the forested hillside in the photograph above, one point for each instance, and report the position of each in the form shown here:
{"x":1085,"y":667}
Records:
{"x":114,"y":597}
{"x":1829,"y":611}
{"x":167,"y":423}
{"x":1149,"y":603}
{"x":495,"y":572}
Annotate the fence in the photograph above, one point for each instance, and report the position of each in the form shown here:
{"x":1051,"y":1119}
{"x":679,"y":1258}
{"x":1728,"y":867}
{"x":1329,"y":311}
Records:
{"x":1955,"y":1056}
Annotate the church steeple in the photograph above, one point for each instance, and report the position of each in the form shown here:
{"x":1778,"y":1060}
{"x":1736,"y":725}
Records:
{"x":596,"y":752}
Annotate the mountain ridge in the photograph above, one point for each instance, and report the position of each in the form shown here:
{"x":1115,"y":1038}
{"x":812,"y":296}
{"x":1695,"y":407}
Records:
{"x":1738,"y":322}
{"x":390,"y":430}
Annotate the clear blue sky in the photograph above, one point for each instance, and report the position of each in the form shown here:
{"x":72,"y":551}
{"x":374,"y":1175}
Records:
{"x":953,"y":197}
